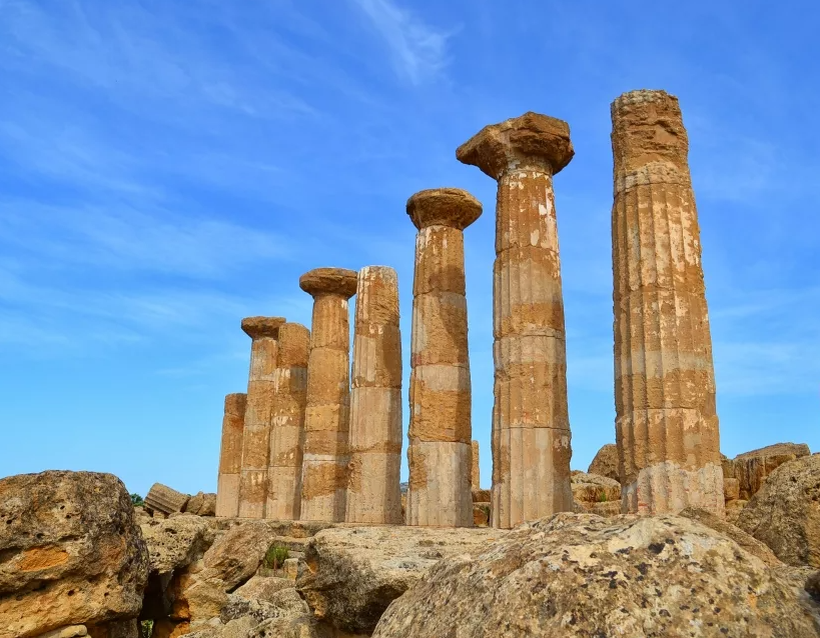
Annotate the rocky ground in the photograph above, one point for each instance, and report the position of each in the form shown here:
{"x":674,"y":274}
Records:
{"x":78,"y":559}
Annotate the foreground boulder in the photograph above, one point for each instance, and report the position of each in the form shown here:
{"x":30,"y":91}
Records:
{"x":70,"y":554}
{"x":785,"y":513}
{"x":605,"y":462}
{"x":357,"y":572}
{"x":747,"y":472}
{"x":579,"y":575}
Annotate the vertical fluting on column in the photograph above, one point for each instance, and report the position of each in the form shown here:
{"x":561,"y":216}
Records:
{"x":253,"y":481}
{"x":531,"y":434}
{"x":373,"y":488}
{"x":324,"y":466}
{"x":230,"y":456}
{"x":475,"y":470}
{"x":666,"y":420}
{"x":288,"y":423}
{"x":439,"y":450}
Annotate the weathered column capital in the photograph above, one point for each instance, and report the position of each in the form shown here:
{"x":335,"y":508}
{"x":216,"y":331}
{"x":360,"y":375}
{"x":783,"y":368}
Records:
{"x":260,"y":327}
{"x":529,"y":141}
{"x":329,"y":281}
{"x":451,"y":207}
{"x":650,"y":144}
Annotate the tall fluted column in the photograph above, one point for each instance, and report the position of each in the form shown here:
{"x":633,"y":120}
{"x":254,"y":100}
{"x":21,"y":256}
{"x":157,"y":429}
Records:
{"x":253,"y":482}
{"x":531,"y":435}
{"x":324,"y":467}
{"x":439,"y":453}
{"x":230,"y":456}
{"x":666,"y":421}
{"x":373,"y":488}
{"x":288,"y":424}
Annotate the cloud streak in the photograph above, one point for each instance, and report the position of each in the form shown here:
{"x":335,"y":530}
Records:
{"x":419,"y":51}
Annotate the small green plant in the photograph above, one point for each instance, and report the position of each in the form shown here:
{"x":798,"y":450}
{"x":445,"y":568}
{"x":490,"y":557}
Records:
{"x":146,"y":627}
{"x":602,"y":498}
{"x":276,"y":556}
{"x":136,"y":499}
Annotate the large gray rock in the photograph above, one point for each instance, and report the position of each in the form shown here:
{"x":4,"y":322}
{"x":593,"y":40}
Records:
{"x":579,"y":575}
{"x":785,"y":512}
{"x":70,"y":553}
{"x":356,"y":572}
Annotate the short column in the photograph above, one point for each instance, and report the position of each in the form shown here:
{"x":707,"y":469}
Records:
{"x":475,"y":475}
{"x":230,"y":456}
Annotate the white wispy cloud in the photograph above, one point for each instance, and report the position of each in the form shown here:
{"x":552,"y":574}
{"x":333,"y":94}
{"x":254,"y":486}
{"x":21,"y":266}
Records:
{"x":419,"y":50}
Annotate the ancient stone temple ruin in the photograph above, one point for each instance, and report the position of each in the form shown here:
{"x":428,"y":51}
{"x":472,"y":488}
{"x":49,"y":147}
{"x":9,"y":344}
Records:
{"x":667,"y":426}
{"x":314,"y":440}
{"x":440,"y":449}
{"x":531,"y":436}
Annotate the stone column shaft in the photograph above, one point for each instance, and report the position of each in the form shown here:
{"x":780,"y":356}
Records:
{"x":326,"y":455}
{"x":531,"y":435}
{"x":440,"y":398}
{"x":253,"y":482}
{"x":666,"y":421}
{"x":230,"y":456}
{"x":475,"y":474}
{"x":288,"y":424}
{"x":374,"y":492}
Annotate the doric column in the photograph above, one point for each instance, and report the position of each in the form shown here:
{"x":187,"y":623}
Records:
{"x":666,"y":422}
{"x":327,"y":416}
{"x":440,"y":430}
{"x":373,"y":488}
{"x":253,"y":481}
{"x":230,"y":456}
{"x":288,"y":423}
{"x":475,"y":473}
{"x":531,"y":436}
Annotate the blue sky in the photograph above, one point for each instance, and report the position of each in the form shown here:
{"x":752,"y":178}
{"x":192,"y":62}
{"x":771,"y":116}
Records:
{"x":168,"y":167}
